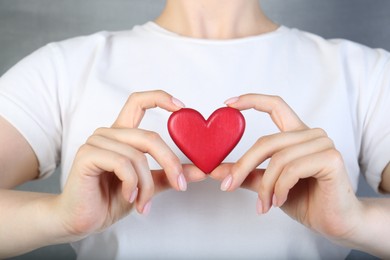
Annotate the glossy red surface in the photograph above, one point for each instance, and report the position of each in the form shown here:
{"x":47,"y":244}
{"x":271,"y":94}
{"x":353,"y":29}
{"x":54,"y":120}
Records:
{"x":206,"y":142}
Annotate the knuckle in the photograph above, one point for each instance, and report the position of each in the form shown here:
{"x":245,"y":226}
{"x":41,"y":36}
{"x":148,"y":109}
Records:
{"x":290,"y":168}
{"x":133,"y":96}
{"x":123,"y":162}
{"x":172,"y":163}
{"x":277,"y":159}
{"x":133,"y":99}
{"x":268,"y":181}
{"x":94,"y":139}
{"x":148,"y":190}
{"x":139,"y":158}
{"x":171,"y":159}
{"x":280,"y":186}
{"x":334,"y":157}
{"x":100,"y":131}
{"x":327,"y":142}
{"x":263,"y":140}
{"x":84,"y":149}
{"x":288,"y":177}
{"x":319,"y":132}
{"x":263,"y":188}
{"x":133,"y":179}
{"x":236,"y":168}
{"x":152,"y":137}
{"x":160,"y":92}
{"x":91,"y":139}
{"x":278,"y":101}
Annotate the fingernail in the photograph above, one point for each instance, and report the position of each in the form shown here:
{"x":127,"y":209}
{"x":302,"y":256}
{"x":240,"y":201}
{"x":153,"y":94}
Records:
{"x":226,"y":183}
{"x":274,"y":201}
{"x":133,"y":195}
{"x":177,"y":102}
{"x":146,"y":209}
{"x":181,"y":180}
{"x":231,"y":101}
{"x":259,"y":206}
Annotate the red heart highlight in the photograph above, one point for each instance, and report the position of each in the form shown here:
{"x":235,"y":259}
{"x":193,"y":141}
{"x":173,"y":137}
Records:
{"x":206,"y":142}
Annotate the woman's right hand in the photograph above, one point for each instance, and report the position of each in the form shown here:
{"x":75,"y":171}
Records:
{"x":110,"y":173}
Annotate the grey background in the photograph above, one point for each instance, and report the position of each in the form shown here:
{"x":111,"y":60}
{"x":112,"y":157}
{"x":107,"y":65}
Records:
{"x":25,"y":25}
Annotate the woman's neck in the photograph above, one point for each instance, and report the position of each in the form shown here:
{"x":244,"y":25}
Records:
{"x":215,"y":19}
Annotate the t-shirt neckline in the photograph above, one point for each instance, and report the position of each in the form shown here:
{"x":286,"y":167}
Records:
{"x":153,"y":27}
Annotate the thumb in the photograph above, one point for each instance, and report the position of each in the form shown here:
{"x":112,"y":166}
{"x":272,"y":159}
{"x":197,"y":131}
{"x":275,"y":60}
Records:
{"x":191,"y":174}
{"x":138,"y":102}
{"x":252,"y":181}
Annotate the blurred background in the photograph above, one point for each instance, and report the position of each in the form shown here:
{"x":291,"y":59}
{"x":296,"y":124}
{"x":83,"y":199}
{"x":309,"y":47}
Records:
{"x":26,"y":25}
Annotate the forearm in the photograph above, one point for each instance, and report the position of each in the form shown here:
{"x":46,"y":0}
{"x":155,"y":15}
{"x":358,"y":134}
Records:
{"x":373,"y":233}
{"x":29,"y":221}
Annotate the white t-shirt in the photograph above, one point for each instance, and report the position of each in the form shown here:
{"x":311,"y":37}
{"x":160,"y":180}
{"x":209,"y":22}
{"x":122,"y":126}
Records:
{"x":61,"y":93}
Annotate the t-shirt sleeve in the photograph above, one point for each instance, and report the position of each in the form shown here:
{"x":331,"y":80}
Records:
{"x":30,"y":101}
{"x":375,"y":99}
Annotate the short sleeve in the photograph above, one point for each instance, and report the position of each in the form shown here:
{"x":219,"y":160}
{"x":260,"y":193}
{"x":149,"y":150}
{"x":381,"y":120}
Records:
{"x":29,"y":100}
{"x":375,"y":99}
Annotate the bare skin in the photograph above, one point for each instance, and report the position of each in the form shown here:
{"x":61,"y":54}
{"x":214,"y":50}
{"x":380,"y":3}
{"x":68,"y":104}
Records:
{"x":215,"y":19}
{"x":307,"y":178}
{"x":110,"y":177}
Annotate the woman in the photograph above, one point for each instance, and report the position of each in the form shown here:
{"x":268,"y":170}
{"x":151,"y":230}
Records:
{"x":202,"y":52}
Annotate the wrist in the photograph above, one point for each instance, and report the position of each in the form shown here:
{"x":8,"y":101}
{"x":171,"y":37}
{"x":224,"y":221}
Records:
{"x":31,"y":220}
{"x":352,"y":226}
{"x":66,"y":231}
{"x":370,"y":228}
{"x":52,"y":226}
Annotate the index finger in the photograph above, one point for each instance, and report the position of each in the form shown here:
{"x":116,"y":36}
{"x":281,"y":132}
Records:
{"x":138,"y":102}
{"x":281,"y":113}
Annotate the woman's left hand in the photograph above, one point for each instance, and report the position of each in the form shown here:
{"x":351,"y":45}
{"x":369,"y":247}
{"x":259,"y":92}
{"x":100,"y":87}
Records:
{"x":305,"y":176}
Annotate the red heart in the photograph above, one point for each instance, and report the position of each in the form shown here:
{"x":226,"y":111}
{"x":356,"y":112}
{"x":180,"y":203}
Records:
{"x":206,"y":142}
